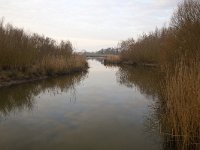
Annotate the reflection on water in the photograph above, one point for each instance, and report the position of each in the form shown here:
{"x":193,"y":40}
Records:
{"x":110,"y":107}
{"x":84,"y":111}
{"x":149,"y":81}
{"x":22,"y":97}
{"x":143,"y":78}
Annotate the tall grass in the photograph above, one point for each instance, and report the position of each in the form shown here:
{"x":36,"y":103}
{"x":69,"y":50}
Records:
{"x":168,"y":44}
{"x":181,"y":103}
{"x":35,"y":54}
{"x":177,"y":51}
{"x":182,"y":88}
{"x":112,"y":59}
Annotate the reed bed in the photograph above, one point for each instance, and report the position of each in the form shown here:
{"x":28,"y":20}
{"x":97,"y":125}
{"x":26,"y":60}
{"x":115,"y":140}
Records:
{"x":25,"y":55}
{"x":112,"y":59}
{"x":168,"y":44}
{"x":176,"y":49}
{"x":181,"y":93}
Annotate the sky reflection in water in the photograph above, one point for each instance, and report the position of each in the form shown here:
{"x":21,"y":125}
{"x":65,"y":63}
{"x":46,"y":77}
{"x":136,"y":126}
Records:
{"x":86,"y":111}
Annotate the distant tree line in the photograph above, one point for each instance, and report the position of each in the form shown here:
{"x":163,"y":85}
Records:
{"x":110,"y":50}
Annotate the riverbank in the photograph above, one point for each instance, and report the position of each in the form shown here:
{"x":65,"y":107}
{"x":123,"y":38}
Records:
{"x":176,"y":50}
{"x":116,"y":60}
{"x":9,"y":81}
{"x":51,"y":68}
{"x":26,"y":57}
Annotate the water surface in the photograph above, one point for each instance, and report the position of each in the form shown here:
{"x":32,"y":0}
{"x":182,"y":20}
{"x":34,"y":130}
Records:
{"x":98,"y":110}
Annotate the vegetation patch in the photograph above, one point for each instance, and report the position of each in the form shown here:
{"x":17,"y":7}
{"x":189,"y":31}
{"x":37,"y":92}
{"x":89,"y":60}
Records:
{"x":29,"y":56}
{"x":176,"y":50}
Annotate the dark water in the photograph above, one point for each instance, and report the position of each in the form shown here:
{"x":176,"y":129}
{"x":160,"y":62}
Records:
{"x":99,"y":110}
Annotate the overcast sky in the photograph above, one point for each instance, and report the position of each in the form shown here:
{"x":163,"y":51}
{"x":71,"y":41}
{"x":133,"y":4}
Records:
{"x":88,"y":24}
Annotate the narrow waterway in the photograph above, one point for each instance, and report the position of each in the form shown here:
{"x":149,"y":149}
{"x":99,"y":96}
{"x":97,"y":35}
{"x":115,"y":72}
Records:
{"x":97,"y":110}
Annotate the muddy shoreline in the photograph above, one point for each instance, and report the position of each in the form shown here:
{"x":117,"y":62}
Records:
{"x":14,"y":82}
{"x":27,"y":80}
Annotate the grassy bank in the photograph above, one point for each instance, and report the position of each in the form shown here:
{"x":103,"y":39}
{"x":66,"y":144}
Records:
{"x":168,"y":45}
{"x":176,"y":50}
{"x":30,"y":56}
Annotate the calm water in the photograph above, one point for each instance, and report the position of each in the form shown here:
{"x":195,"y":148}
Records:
{"x":98,"y":110}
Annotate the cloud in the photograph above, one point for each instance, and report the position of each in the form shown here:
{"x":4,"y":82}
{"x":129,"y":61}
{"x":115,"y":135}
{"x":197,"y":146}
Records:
{"x":97,"y":21}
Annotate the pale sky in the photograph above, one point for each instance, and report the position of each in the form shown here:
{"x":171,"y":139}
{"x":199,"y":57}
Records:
{"x":88,"y":24}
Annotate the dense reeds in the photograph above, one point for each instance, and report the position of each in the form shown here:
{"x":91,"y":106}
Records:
{"x":176,"y":49}
{"x":182,"y":83}
{"x":112,"y":59}
{"x":27,"y":55}
{"x":181,"y":95}
{"x":169,"y":44}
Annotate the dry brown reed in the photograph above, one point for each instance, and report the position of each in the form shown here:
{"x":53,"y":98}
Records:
{"x":34,"y":55}
{"x":112,"y":59}
{"x":177,"y":50}
{"x":181,"y":94}
{"x":168,"y":44}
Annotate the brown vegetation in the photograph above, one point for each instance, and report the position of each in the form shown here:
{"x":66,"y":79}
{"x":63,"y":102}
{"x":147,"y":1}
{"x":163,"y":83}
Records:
{"x":181,"y":95}
{"x":25,"y":55}
{"x":112,"y":59}
{"x":181,"y":88}
{"x":168,"y":45}
{"x":176,"y":49}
